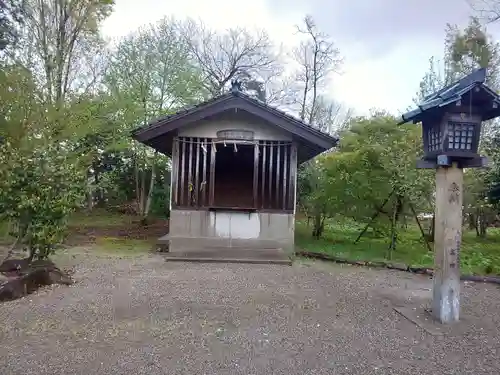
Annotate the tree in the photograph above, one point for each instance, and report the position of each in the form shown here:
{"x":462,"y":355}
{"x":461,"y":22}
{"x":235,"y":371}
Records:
{"x":39,"y":189}
{"x":375,"y":157}
{"x":469,"y":49}
{"x":11,"y":17}
{"x":40,"y":182}
{"x":487,"y":10}
{"x":330,"y":117}
{"x":150,"y":74}
{"x":465,"y":50}
{"x":317,"y":57}
{"x":60,"y":39}
{"x":434,"y":80}
{"x":236,"y":53}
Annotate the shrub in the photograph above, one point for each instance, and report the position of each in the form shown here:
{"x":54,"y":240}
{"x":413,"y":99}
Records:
{"x":39,"y":188}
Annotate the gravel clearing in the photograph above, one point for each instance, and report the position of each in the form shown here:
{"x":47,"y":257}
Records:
{"x":145,"y":316}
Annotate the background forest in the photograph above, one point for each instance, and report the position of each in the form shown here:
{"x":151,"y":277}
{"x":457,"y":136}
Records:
{"x":69,"y":100}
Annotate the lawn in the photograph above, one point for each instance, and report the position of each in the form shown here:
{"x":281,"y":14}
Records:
{"x":124,"y":235}
{"x":477,"y":256}
{"x":107,"y":232}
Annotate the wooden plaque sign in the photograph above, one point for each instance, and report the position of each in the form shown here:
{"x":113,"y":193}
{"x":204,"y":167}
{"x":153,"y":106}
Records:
{"x":246,"y":135}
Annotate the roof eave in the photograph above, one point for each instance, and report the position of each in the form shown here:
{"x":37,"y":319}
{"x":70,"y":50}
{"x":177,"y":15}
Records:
{"x":238,"y":100}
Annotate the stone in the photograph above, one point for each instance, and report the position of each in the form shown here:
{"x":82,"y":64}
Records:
{"x":14,"y":265}
{"x":38,"y":273}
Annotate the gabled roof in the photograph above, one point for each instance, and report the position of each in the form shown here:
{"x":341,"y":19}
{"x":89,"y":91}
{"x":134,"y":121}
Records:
{"x":452,"y":94}
{"x":315,"y":140}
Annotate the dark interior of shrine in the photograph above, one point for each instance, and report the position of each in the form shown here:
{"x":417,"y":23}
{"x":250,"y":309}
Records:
{"x":234,"y":170}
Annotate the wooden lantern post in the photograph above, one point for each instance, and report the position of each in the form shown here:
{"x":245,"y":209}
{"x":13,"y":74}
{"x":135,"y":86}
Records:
{"x":447,"y":239}
{"x":451,"y":127}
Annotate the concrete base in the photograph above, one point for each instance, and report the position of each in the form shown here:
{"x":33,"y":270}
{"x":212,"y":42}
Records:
{"x":179,"y":243}
{"x":231,"y":255}
{"x":220,"y":236}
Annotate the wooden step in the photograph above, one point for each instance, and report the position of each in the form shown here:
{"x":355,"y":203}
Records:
{"x":231,"y":255}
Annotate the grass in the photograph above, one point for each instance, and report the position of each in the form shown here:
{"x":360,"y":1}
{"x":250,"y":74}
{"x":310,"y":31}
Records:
{"x":100,"y":218}
{"x":105,"y":245}
{"x":123,"y":246}
{"x":4,"y":233}
{"x":477,"y":256}
{"x":108,"y":245}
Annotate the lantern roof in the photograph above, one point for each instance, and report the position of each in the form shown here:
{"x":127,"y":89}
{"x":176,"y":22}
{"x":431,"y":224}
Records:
{"x":471,"y":90}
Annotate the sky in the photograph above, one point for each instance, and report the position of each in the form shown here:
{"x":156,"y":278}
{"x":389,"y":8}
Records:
{"x":386,"y":44}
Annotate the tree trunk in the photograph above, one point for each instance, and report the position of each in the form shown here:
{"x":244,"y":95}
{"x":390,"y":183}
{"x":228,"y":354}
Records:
{"x":471,"y":218}
{"x":318,"y":225}
{"x":476,"y":225}
{"x":395,"y":215}
{"x":432,"y":228}
{"x":143,"y":193}
{"x":150,"y":193}
{"x":483,"y":223}
{"x":90,"y":197}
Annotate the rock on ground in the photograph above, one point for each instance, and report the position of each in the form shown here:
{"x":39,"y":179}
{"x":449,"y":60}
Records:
{"x":20,"y":277}
{"x":145,"y":316}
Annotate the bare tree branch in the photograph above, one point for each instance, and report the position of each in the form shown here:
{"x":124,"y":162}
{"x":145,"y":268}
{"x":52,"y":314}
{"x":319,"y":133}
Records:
{"x":317,"y":58}
{"x":60,"y":33}
{"x":236,"y":53}
{"x":487,"y":10}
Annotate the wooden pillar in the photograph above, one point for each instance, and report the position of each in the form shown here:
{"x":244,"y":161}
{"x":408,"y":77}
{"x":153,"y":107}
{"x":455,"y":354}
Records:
{"x":270,"y":202}
{"x":174,"y":178}
{"x":277,"y":177}
{"x":196,"y":192}
{"x":285,"y":181}
{"x":256,"y":175}
{"x":182,"y":171}
{"x":204,"y":183}
{"x":447,"y":239}
{"x":292,"y":187}
{"x":189,"y":189}
{"x":211,"y":193}
{"x":263,"y":176}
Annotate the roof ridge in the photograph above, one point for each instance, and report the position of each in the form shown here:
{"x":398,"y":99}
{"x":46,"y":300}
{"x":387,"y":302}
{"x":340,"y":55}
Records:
{"x":222,"y":97}
{"x":282,"y":112}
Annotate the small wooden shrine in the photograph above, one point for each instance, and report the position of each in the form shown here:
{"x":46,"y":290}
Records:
{"x":234,"y":174}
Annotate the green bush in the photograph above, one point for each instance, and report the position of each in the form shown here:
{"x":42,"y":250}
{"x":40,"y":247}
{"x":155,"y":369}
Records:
{"x":39,"y":188}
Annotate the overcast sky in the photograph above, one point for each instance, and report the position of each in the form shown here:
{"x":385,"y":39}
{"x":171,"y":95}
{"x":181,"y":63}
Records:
{"x":386,"y":44}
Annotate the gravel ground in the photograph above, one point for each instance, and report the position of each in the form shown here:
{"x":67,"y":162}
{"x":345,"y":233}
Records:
{"x":145,"y":316}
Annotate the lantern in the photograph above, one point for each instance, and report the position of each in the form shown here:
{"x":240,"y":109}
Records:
{"x":451,"y":121}
{"x":456,"y":135}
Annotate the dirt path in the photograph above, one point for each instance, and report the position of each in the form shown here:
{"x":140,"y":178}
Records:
{"x":145,"y":316}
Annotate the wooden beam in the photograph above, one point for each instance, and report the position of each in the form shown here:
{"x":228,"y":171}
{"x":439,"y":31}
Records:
{"x":256,"y":174}
{"x":278,"y":172}
{"x":263,"y":178}
{"x":175,"y":172}
{"x":190,"y":174}
{"x":293,"y":177}
{"x":285,"y":173}
{"x":204,"y":182}
{"x":213,"y":151}
{"x":182,"y":170}
{"x":270,"y":183}
{"x":197,"y":174}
